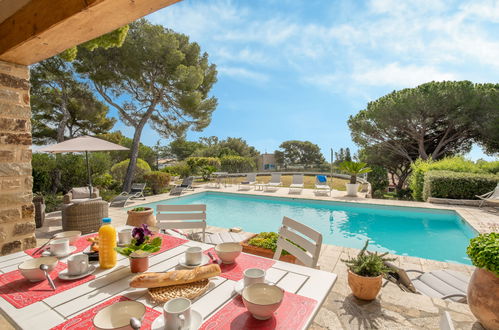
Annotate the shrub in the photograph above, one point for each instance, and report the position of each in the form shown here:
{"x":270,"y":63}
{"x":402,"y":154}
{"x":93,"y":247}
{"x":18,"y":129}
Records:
{"x":103,"y":181}
{"x":201,"y":165}
{"x":118,"y":171}
{"x":369,"y":264}
{"x":237,"y":164}
{"x":455,"y":185}
{"x":489,"y":167}
{"x":378,"y":178}
{"x":181,"y":168}
{"x":157,"y":181}
{"x":484,"y":252}
{"x":170,"y":170}
{"x":53,"y":202}
{"x":43,"y":168}
{"x":416,"y":180}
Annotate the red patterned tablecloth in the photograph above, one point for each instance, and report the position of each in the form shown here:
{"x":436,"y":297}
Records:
{"x":235,"y":271}
{"x":83,"y":321}
{"x":292,"y":314}
{"x":20,"y":292}
{"x":169,"y":242}
{"x":81,"y":244}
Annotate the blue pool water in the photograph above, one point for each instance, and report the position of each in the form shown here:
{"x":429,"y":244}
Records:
{"x":419,"y":232}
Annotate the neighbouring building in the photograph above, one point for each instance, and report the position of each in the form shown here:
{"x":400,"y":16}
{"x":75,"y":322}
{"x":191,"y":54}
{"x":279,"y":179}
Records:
{"x":266,"y":162}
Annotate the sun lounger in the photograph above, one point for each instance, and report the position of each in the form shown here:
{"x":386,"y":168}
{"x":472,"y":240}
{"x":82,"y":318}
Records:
{"x":443,"y":284}
{"x":274,"y":183}
{"x":297,"y":184}
{"x":321,"y":186}
{"x":136,"y":192}
{"x":185,"y":185}
{"x":250,"y":181}
{"x":491,"y":197}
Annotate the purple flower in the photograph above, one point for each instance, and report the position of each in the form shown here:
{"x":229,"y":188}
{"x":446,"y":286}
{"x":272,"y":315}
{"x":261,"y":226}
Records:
{"x":140,"y":234}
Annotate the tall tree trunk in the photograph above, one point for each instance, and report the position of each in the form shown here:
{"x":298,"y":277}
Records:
{"x":61,"y":127}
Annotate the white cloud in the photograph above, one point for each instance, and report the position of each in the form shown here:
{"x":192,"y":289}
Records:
{"x":242,"y":73}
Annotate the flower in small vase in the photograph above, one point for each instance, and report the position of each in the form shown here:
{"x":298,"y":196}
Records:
{"x":141,"y":242}
{"x":141,"y":234}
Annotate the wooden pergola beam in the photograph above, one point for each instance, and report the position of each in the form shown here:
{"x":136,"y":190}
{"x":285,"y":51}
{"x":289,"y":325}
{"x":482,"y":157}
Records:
{"x":44,"y":28}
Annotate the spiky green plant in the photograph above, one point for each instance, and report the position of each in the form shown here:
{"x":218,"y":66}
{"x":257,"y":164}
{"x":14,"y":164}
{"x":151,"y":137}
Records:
{"x":354,"y":169}
{"x":369,"y":264}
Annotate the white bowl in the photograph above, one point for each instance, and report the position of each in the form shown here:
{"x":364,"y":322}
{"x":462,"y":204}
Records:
{"x":262,"y":299}
{"x":228,"y":252}
{"x":118,"y":315}
{"x":72,"y":236}
{"x":30,"y":268}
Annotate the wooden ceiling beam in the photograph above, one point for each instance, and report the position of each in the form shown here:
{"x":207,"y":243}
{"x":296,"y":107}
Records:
{"x":44,"y":28}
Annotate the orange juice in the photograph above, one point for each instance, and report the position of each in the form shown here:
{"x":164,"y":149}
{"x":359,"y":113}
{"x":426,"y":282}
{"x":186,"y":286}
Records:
{"x":107,"y":243}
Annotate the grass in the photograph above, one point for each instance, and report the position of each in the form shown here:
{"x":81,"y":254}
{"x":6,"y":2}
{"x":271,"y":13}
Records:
{"x":308,"y":181}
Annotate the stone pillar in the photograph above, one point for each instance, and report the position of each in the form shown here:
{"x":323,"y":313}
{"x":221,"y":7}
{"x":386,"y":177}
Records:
{"x":17,"y":224}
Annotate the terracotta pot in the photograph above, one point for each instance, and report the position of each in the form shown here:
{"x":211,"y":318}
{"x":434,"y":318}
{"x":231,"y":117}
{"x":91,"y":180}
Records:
{"x":483,"y":297}
{"x":365,"y":288}
{"x":267,"y":253}
{"x":137,"y":218}
{"x":139,"y":265}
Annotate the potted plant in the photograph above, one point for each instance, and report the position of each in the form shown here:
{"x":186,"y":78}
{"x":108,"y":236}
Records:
{"x":139,"y":249}
{"x":483,"y":289}
{"x":264,"y":245}
{"x":353,"y":169}
{"x":365,"y":273}
{"x":141,"y":215}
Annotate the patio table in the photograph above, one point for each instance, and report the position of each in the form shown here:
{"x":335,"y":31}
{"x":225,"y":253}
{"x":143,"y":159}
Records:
{"x":109,"y":283}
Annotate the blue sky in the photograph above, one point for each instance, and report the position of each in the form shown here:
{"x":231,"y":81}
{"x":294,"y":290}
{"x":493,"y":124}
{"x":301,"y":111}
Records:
{"x":296,"y":69}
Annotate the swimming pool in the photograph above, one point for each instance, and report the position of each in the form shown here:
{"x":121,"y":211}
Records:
{"x":419,"y":232}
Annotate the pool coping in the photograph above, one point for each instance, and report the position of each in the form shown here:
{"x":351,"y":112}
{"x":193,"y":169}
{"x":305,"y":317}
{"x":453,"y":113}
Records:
{"x":478,"y":219}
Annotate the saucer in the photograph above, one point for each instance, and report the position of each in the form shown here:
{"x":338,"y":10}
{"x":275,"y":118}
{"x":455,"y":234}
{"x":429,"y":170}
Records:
{"x":47,"y":253}
{"x":204,"y":261}
{"x":239,"y":286}
{"x":66,"y":277}
{"x":196,"y":320}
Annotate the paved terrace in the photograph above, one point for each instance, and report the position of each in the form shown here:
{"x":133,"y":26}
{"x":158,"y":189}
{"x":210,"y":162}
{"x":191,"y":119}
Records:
{"x":393,"y":309}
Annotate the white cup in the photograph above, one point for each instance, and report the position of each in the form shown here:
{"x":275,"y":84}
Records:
{"x":60,"y":247}
{"x":193,"y":255}
{"x":124,"y":236}
{"x":77,"y":264}
{"x":177,"y":314}
{"x":254,"y":275}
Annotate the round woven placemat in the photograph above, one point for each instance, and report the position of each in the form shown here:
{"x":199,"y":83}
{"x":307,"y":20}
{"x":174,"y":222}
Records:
{"x":189,"y":291}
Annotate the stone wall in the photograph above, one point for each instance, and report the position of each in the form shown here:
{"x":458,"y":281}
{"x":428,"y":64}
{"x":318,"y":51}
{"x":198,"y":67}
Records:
{"x":17,"y":224}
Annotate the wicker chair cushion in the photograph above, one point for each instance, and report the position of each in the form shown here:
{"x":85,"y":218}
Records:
{"x":83,"y":200}
{"x":80,"y":192}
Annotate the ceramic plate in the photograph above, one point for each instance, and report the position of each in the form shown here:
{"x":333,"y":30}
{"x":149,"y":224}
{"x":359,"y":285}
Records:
{"x":196,"y":321}
{"x":66,"y":277}
{"x":47,"y":253}
{"x":204,"y":261}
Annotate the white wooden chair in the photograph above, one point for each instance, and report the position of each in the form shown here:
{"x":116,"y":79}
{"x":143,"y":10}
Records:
{"x":311,"y":244}
{"x":182,"y":217}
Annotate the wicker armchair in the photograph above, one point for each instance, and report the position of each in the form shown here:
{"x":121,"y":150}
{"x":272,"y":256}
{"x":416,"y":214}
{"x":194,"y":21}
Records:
{"x":85,"y":217}
{"x":39,"y":203}
{"x":81,"y":194}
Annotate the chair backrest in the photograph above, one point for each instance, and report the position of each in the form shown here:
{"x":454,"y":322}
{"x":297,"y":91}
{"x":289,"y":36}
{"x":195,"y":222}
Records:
{"x":321,"y":179}
{"x":446,"y":322}
{"x":310,"y":242}
{"x":251,"y":177}
{"x":297,"y":178}
{"x":495,"y":194}
{"x":187,"y":182}
{"x":181,"y":217}
{"x":275,"y":177}
{"x":136,"y":187}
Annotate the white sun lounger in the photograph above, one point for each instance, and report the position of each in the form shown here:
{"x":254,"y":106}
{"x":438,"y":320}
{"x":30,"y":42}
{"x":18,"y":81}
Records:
{"x":491,"y":197}
{"x":275,"y":182}
{"x":250,"y":181}
{"x":321,"y":187}
{"x":297,"y":185}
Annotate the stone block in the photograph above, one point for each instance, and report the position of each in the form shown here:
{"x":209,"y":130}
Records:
{"x":25,"y":155}
{"x":15,"y":70}
{"x":11,"y":124}
{"x":29,"y":242}
{"x":11,"y":96}
{"x":24,"y":228}
{"x":15,"y":138}
{"x":11,"y":247}
{"x":10,"y":184}
{"x":15,"y":169}
{"x":3,"y":235}
{"x":14,"y":111}
{"x":10,"y":215}
{"x":16,"y":198}
{"x":28,"y":211}
{"x":7,"y":155}
{"x":10,"y":81}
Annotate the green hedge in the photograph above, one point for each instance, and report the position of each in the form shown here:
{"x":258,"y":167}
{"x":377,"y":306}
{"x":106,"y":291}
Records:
{"x":456,"y":185}
{"x":237,"y":164}
{"x":157,"y":181}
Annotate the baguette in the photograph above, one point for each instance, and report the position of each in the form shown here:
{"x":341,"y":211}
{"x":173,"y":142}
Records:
{"x":175,"y":277}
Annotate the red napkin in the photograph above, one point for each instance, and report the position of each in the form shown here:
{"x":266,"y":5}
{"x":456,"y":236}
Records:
{"x":292,"y":314}
{"x":20,"y":292}
{"x":84,"y":320}
{"x":244,"y":261}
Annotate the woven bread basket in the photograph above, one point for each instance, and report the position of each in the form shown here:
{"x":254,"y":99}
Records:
{"x":189,"y":291}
